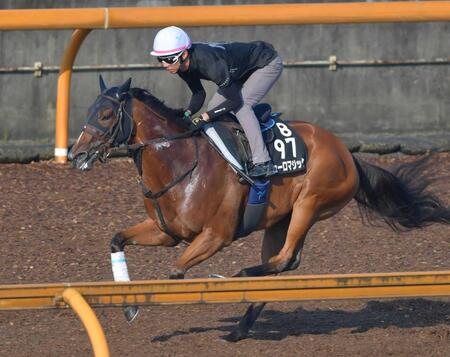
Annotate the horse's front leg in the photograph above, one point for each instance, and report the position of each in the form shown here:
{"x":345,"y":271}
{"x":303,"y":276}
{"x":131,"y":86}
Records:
{"x":204,"y":246}
{"x":145,"y":233}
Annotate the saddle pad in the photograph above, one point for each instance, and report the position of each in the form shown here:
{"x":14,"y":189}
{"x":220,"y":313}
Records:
{"x":221,"y":136}
{"x":286,"y":148}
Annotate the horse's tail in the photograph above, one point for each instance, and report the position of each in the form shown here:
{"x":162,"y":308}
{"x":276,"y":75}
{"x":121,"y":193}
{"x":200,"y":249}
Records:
{"x":399,"y":196}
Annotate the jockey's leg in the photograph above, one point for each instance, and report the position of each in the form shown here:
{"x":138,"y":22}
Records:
{"x":273,"y":241}
{"x":247,"y":118}
{"x":145,"y":233}
{"x":253,"y":91}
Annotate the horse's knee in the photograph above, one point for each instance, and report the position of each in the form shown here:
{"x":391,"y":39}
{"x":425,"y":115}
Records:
{"x":117,"y":243}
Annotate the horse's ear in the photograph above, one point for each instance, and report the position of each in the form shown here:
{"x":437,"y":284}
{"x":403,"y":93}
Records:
{"x":102,"y":84}
{"x":124,"y":88}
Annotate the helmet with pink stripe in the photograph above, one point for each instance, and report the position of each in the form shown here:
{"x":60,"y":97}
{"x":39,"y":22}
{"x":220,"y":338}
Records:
{"x":170,"y":40}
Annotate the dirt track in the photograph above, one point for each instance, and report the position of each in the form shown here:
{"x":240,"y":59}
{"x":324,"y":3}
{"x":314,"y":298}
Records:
{"x":56,"y":225}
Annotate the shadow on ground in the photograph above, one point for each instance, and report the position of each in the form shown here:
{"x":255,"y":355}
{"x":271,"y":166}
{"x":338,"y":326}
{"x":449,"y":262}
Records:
{"x":276,"y":325}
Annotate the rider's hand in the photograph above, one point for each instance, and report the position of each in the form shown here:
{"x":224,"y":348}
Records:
{"x":198,"y":122}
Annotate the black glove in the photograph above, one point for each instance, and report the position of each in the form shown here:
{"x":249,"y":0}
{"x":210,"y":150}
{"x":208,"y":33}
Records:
{"x":187,"y":117}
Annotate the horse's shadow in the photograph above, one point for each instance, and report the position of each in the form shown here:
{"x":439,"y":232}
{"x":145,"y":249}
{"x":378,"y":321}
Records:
{"x":276,"y":325}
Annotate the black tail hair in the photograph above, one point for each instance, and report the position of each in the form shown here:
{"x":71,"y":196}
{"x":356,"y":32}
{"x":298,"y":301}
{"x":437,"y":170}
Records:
{"x":399,"y":196}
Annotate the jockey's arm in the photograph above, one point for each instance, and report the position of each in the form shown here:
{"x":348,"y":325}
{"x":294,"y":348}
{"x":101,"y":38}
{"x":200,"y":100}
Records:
{"x":233,"y":100}
{"x":198,"y":93}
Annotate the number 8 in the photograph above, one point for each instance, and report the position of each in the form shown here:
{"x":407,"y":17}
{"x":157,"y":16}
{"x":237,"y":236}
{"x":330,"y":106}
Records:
{"x":284,"y":130}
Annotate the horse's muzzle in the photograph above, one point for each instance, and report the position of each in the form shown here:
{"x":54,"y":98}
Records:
{"x":82,"y":161}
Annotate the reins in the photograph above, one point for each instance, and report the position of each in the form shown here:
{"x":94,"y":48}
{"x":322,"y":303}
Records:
{"x":136,"y":151}
{"x":137,"y":157}
{"x":153,"y":196}
{"x":162,"y":139}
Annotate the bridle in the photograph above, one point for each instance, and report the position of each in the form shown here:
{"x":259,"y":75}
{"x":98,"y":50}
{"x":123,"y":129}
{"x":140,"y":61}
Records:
{"x":118,"y":134}
{"x":122,"y":119}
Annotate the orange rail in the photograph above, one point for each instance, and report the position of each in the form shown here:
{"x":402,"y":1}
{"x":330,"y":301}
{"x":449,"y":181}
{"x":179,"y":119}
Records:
{"x":272,"y":14}
{"x":290,"y":288}
{"x":235,"y":290}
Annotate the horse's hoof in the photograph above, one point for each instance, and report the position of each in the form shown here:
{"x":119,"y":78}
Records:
{"x":131,"y":313}
{"x":241,"y":274}
{"x":176,"y":275}
{"x":216,"y":276}
{"x":236,"y":335}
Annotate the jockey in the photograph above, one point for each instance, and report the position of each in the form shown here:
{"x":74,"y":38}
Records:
{"x":243,"y":72}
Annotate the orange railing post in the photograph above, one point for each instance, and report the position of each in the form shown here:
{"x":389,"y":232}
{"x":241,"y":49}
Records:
{"x":63,"y":95}
{"x":87,"y":316}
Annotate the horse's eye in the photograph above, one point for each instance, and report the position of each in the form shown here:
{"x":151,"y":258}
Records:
{"x":107,"y":115}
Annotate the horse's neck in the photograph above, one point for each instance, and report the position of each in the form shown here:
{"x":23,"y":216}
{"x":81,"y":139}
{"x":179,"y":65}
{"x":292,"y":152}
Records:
{"x":164,"y":159}
{"x":151,"y":125}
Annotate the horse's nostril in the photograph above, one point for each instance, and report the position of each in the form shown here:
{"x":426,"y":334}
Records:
{"x":77,"y":159}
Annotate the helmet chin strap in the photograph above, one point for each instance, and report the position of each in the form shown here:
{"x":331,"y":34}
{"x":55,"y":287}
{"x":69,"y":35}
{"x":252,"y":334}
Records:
{"x":182,"y":60}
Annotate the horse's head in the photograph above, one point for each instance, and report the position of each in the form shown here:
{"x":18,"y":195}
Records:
{"x":109,"y":124}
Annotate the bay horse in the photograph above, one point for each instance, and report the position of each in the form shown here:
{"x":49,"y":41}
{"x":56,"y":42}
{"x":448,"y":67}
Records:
{"x":193,"y":195}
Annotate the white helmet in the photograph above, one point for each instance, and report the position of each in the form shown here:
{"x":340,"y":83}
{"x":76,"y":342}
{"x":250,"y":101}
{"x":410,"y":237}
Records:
{"x":170,"y":40}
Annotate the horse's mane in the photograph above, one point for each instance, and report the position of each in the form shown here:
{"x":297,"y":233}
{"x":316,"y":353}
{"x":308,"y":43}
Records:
{"x":157,"y":105}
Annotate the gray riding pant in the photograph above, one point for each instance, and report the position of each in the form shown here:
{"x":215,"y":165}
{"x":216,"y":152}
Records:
{"x":253,"y":91}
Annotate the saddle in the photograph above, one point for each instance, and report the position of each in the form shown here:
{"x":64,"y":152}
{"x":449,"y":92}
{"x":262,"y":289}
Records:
{"x":286,"y":148}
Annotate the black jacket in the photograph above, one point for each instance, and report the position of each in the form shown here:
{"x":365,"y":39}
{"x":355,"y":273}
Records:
{"x":228,"y":65}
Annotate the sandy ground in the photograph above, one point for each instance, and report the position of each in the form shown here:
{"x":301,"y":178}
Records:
{"x":56,"y":225}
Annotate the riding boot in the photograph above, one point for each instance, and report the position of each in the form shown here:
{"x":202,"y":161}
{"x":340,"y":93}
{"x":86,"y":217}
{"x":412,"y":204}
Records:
{"x":264,"y":169}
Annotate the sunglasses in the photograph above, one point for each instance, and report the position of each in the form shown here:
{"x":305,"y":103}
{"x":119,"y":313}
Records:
{"x":170,"y":59}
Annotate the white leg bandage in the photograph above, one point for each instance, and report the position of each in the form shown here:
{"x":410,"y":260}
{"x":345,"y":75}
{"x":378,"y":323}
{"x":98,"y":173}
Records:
{"x":119,"y":267}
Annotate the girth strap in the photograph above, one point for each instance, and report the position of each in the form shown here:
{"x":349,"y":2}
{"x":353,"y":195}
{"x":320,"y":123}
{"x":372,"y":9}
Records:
{"x":137,"y":157}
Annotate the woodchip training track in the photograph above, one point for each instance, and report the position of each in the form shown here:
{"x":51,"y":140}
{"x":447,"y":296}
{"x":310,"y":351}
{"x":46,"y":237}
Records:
{"x":265,"y":289}
{"x":54,"y":233}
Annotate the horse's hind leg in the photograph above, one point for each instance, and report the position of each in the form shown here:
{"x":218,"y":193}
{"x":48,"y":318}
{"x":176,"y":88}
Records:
{"x":279,"y":254}
{"x":273,"y":241}
{"x":145,"y":233}
{"x":304,"y":215}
